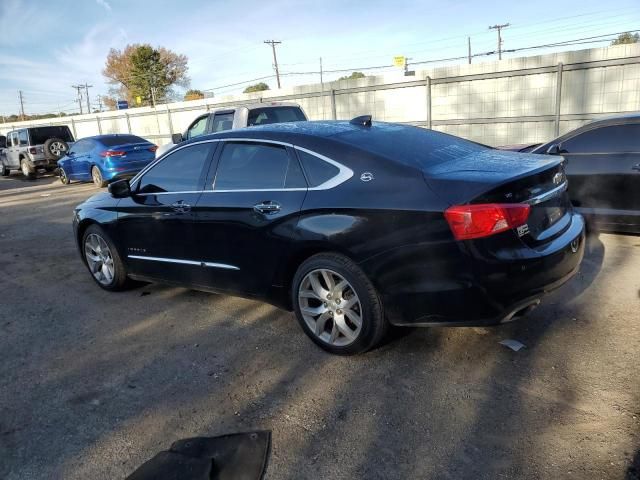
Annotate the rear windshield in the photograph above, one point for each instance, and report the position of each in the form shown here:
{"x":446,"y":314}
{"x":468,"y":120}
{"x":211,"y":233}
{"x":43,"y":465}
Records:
{"x":263,"y":116}
{"x":415,"y":146}
{"x":39,"y":135}
{"x":120,"y":140}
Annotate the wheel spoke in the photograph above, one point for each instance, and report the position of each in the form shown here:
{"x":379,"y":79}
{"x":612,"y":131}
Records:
{"x":309,"y":294}
{"x":350,"y":302}
{"x":334,"y":333}
{"x":314,"y":312}
{"x":316,"y":286}
{"x":328,"y":280}
{"x":343,"y":328}
{"x":354,"y":317}
{"x":321,"y":322}
{"x":338,"y":290}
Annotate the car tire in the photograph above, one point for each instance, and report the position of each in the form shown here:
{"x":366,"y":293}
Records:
{"x":5,"y":171}
{"x":27,"y":170}
{"x":322,"y":284}
{"x":55,"y":148}
{"x":96,"y":176}
{"x":64,"y":178}
{"x":103,"y":260}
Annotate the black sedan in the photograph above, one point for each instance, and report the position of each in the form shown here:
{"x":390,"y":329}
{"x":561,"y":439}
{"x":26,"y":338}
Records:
{"x":603,"y":167}
{"x":352,"y":225}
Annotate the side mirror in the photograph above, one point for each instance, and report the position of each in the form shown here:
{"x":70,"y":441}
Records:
{"x":177,"y":138}
{"x":120,"y":189}
{"x":554,"y":149}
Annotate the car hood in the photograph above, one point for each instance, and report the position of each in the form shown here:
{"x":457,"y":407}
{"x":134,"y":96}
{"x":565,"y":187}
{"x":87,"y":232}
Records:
{"x":459,"y":179}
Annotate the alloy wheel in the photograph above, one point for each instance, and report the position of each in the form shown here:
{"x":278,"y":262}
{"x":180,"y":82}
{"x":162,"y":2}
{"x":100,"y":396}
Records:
{"x":25,"y":169}
{"x":99,"y":259}
{"x":57,"y":149}
{"x":95,"y":175}
{"x":330,"y":307}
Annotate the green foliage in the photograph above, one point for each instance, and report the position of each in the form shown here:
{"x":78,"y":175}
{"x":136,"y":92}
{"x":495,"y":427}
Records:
{"x":194,"y":94}
{"x":626,"y":38}
{"x":353,"y":76}
{"x":141,"y":70}
{"x":258,"y":87}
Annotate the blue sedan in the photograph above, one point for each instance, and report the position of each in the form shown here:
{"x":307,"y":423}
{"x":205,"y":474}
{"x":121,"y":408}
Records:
{"x":105,"y":158}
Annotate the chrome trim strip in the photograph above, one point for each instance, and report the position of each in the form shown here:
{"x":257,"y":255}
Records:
{"x":344,"y":174}
{"x":185,"y":262}
{"x":547,"y":195}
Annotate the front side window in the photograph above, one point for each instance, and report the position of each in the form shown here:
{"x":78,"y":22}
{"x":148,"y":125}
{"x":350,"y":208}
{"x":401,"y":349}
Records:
{"x":222,"y":122}
{"x":23,"y":138}
{"x":197,"y":128}
{"x":253,"y":166}
{"x":179,"y":171}
{"x":609,"y":139}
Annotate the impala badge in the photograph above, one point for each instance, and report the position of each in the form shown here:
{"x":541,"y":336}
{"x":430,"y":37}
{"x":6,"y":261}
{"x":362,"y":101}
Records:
{"x":366,"y":177}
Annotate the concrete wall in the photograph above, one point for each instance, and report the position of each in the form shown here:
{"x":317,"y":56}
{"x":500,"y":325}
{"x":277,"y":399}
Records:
{"x":519,"y":100}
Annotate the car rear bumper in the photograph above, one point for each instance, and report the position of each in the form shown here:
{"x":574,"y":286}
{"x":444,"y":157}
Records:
{"x":486,"y":292}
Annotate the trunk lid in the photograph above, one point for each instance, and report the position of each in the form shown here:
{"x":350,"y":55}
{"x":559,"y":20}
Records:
{"x":494,"y":176}
{"x":134,"y":151}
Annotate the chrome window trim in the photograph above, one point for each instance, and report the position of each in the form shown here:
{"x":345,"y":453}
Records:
{"x":185,"y":262}
{"x":547,"y":195}
{"x":344,"y":172}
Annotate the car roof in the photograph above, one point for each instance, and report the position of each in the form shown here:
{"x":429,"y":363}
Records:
{"x":631,"y":117}
{"x":111,"y":135}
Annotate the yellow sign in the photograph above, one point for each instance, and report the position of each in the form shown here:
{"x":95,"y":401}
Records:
{"x":138,"y":99}
{"x":400,"y":61}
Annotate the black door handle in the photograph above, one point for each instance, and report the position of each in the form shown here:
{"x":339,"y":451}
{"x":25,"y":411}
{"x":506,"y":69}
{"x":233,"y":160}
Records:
{"x":636,"y":167}
{"x":181,"y":207}
{"x":268,"y":207}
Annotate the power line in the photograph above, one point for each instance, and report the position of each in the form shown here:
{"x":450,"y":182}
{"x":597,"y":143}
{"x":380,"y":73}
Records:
{"x":79,"y":99}
{"x":273,"y":44}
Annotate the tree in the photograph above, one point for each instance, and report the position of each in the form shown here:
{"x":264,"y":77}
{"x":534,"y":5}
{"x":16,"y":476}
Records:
{"x":626,"y":38}
{"x":141,"y":70}
{"x":353,"y":76}
{"x":193,"y":94}
{"x":258,"y":87}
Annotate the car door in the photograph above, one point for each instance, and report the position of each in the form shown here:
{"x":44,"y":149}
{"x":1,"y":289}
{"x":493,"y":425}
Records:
{"x":155,"y":224}
{"x":78,"y":165}
{"x":246,"y":215}
{"x":12,"y":150}
{"x":604,"y":172}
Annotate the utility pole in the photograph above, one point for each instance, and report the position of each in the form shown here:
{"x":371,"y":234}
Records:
{"x":322,"y":89}
{"x":21,"y":105}
{"x":321,"y":82}
{"x":79,"y":99}
{"x":100,"y":103}
{"x":273,"y":44}
{"x":86,"y":89}
{"x":499,"y":28}
{"x":469,"y":49}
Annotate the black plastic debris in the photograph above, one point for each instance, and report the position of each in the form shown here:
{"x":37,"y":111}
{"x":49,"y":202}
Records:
{"x":238,"y":456}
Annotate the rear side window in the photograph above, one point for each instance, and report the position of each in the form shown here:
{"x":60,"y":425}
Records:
{"x":609,"y":139}
{"x":179,"y":171}
{"x":121,"y":140}
{"x":263,"y":116}
{"x":222,"y":122}
{"x":252,"y":166}
{"x":23,"y":138}
{"x":318,"y":171}
{"x":82,"y":146}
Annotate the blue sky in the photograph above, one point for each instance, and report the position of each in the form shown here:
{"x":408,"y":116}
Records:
{"x":48,"y":45}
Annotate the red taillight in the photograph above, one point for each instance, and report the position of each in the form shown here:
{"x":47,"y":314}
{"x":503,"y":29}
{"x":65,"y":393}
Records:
{"x":482,"y":220}
{"x":153,"y":149}
{"x":33,"y":150}
{"x":113,"y":153}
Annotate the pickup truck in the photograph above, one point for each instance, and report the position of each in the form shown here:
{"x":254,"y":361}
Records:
{"x":232,"y":118}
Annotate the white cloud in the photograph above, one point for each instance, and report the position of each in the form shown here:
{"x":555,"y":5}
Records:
{"x":105,"y":4}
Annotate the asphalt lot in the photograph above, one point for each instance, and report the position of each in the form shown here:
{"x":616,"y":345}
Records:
{"x":93,"y":383}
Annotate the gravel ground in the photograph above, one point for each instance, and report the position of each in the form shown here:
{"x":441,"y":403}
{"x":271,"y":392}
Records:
{"x":93,"y":383}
